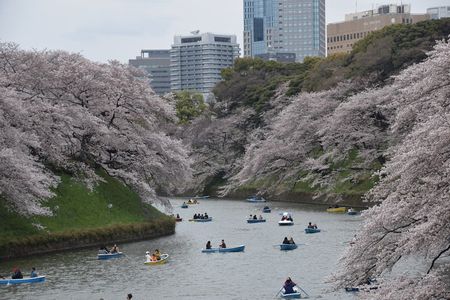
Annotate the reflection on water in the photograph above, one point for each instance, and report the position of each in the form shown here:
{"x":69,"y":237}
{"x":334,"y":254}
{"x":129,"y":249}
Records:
{"x":257,"y":273}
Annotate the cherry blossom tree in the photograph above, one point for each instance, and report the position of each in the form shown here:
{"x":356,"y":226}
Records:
{"x":413,"y":217}
{"x":87,"y":115}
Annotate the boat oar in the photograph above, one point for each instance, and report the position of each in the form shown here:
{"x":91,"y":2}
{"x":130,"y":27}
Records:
{"x":279,"y":292}
{"x":303,"y":291}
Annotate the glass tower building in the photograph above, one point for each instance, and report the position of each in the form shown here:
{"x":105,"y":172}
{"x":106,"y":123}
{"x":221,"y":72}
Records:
{"x":284,"y":26}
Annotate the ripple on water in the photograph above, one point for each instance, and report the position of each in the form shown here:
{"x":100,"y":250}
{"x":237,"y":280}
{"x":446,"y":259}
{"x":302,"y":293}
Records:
{"x":257,"y":273}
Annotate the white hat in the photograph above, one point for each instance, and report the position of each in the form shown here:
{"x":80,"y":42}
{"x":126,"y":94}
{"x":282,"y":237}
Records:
{"x":146,"y":252}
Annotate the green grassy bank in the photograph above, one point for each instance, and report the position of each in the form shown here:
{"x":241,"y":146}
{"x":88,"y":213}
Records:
{"x":109,"y":213}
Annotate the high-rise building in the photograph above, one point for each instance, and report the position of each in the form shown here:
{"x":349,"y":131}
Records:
{"x":439,"y":12}
{"x":197,"y":60}
{"x":156,"y":63}
{"x":343,"y":35}
{"x":284,"y":26}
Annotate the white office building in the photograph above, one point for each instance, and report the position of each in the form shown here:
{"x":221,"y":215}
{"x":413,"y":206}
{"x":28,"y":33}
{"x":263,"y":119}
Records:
{"x":439,"y":12}
{"x":196,"y":61}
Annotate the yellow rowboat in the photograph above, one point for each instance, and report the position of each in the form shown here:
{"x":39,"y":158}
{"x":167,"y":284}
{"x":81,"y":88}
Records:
{"x":337,"y":209}
{"x":190,"y":202}
{"x":163,"y":260}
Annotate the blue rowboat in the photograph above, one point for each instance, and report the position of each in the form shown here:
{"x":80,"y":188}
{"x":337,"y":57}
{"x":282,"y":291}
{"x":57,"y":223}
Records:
{"x":201,"y":220}
{"x":312,"y":230}
{"x":184,"y":206}
{"x":266,"y":210}
{"x":234,"y":249}
{"x":291,"y":295}
{"x":23,"y":280}
{"x":288,"y":246}
{"x":256,"y":199}
{"x":103,"y":256}
{"x":352,"y":212}
{"x":256,"y":221}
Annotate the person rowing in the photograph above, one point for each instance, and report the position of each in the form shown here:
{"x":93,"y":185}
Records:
{"x":208,"y":245}
{"x":115,"y":249}
{"x":289,"y":286}
{"x":222,"y":245}
{"x":285,"y":241}
{"x":157,"y":254}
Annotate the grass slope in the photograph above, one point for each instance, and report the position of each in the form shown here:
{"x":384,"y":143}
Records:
{"x":77,"y":208}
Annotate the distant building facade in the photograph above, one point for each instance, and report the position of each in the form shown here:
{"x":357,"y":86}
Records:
{"x":156,"y":63}
{"x":279,"y":57}
{"x":196,"y":61}
{"x":284,"y":26}
{"x":343,"y":35}
{"x":439,"y":12}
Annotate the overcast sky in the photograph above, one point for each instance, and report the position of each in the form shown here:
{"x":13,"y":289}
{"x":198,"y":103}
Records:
{"x":118,"y":29}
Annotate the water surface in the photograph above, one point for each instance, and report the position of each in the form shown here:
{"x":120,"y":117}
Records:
{"x":257,"y":273}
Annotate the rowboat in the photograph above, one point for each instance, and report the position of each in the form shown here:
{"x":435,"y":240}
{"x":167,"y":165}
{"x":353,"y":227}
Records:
{"x":266,"y":209}
{"x":233,"y":249}
{"x":201,"y":197}
{"x":184,"y":205}
{"x":178,"y":219}
{"x":285,"y":223}
{"x":312,"y":230}
{"x":256,"y":199}
{"x":352,"y":212}
{"x":201,"y":220}
{"x":256,"y":220}
{"x":288,"y":246}
{"x":336,"y":209}
{"x":191,"y":202}
{"x":104,"y":256}
{"x":295,"y":295}
{"x":23,"y":280}
{"x":163,"y":260}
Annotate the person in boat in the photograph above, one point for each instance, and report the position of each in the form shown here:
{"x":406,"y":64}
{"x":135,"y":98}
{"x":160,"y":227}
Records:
{"x":208,"y":245}
{"x":291,"y":241}
{"x":283,"y":218}
{"x":103,"y":250}
{"x":313,"y":226}
{"x":266,"y":208}
{"x":255,"y":217}
{"x":260,"y":217}
{"x":195,"y":216}
{"x":115,"y":249}
{"x":157,"y":254}
{"x":184,"y":203}
{"x":129,"y":296}
{"x":285,"y":241}
{"x":251,"y":217}
{"x":202,"y":216}
{"x":148,"y":258}
{"x":17,"y":274}
{"x":222,"y":244}
{"x":178,"y":216}
{"x":33,"y":272}
{"x":289,"y":286}
{"x":289,"y":218}
{"x":206,"y":216}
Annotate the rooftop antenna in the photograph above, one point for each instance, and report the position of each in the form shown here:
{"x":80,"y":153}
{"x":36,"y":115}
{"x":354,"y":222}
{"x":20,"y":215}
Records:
{"x":195,"y":32}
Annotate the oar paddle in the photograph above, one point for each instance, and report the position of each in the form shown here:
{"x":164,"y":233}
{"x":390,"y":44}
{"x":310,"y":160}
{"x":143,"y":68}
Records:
{"x":303,"y":291}
{"x":279,"y":292}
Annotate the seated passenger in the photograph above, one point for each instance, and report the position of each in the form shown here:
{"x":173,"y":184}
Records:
{"x":157,"y":254}
{"x":285,"y":241}
{"x":17,"y":274}
{"x":291,"y":241}
{"x":206,"y":216}
{"x":148,"y":258}
{"x":33,"y":272}
{"x":103,"y":250}
{"x":255,"y":217}
{"x":260,"y":217}
{"x":115,"y":249}
{"x":310,"y":225}
{"x":208,"y":245}
{"x":223,"y":245}
{"x":178,"y":216}
{"x":289,"y":286}
{"x":195,"y":217}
